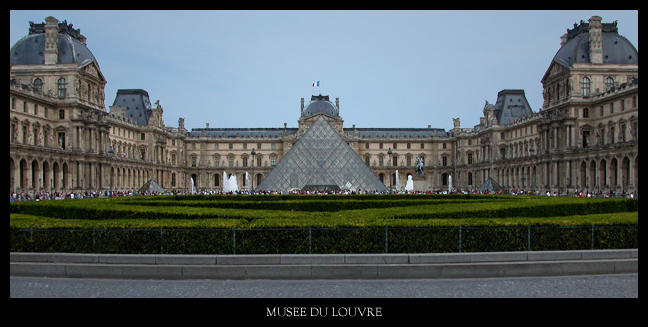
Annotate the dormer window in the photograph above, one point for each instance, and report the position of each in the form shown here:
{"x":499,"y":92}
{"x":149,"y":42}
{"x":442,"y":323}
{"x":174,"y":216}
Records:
{"x":38,"y":85}
{"x":609,"y":82}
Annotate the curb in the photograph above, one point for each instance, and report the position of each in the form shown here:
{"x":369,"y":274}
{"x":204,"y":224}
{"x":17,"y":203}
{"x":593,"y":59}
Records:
{"x":325,"y":266}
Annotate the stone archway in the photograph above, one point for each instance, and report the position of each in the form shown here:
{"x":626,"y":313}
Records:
{"x":23,"y":171}
{"x":625,"y":173}
{"x":583,"y":175}
{"x":46,"y":176}
{"x":614,"y":173}
{"x":55,"y":175}
{"x":35,"y":169}
{"x":12,"y":175}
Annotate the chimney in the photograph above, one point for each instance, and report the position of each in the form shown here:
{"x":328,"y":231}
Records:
{"x":596,"y":35}
{"x":302,"y":105}
{"x":429,"y":126}
{"x":51,"y":40}
{"x":337,"y":103}
{"x":206,"y":125}
{"x":563,"y":39}
{"x":180,"y":123}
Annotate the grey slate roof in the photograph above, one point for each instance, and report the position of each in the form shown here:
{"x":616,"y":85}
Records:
{"x":394,"y":133}
{"x":511,"y":105}
{"x":616,"y":48}
{"x":321,"y":158}
{"x":30,"y":50}
{"x":241,"y":132}
{"x":137,"y":105}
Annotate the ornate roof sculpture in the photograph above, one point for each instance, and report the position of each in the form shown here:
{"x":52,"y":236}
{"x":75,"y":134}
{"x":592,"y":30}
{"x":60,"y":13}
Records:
{"x":321,"y":158}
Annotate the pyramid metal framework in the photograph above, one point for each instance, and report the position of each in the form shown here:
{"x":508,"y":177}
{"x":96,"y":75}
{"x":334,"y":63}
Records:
{"x":321,"y":158}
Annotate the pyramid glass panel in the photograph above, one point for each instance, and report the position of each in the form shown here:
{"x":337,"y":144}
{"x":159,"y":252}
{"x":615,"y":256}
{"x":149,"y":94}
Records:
{"x":320,"y":159}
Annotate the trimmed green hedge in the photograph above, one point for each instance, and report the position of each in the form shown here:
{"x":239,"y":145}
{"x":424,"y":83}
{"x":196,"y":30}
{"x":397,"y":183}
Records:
{"x":411,"y":209}
{"x":325,"y":240}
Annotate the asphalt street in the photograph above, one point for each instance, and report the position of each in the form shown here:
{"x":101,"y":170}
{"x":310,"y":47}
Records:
{"x":590,"y":286}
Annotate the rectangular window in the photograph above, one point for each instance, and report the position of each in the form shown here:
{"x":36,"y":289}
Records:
{"x":230,"y":146}
{"x":273,"y":146}
{"x":634,"y":101}
{"x":381,"y":145}
{"x":142,"y":136}
{"x":395,"y":146}
{"x":367,"y":145}
{"x":258,"y":146}
{"x":173,"y":142}
{"x":444,"y":161}
{"x":13,"y":103}
{"x":409,"y":146}
{"x":244,"y":145}
{"x":422,"y":145}
{"x":35,"y":109}
{"x":61,"y":114}
{"x":444,"y":146}
{"x":470,"y":158}
{"x":622,"y":104}
{"x":193,"y":161}
{"x":611,"y":107}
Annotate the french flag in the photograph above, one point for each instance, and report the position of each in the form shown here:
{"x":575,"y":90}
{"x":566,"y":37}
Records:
{"x":316,"y":84}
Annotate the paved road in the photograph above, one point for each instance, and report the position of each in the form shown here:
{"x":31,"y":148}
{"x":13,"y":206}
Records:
{"x":591,"y":286}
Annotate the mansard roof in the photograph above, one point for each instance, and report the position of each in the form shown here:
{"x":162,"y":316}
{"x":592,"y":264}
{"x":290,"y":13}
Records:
{"x":511,"y":105}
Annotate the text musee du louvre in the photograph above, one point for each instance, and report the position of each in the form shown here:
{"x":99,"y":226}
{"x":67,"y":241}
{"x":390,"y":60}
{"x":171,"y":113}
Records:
{"x":287,"y":312}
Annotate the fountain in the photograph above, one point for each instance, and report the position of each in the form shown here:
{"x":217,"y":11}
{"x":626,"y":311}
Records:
{"x":398,"y":186}
{"x":229,"y":184}
{"x":409,"y":186}
{"x":193,"y":186}
{"x":449,"y":183}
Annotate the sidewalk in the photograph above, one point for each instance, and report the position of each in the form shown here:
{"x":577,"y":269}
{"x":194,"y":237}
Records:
{"x":325,"y":266}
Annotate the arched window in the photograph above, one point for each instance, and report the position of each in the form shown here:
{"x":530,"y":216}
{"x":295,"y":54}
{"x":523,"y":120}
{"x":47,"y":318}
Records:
{"x":609,"y":82}
{"x":585,"y":86}
{"x":38,"y":85}
{"x":62,"y":87}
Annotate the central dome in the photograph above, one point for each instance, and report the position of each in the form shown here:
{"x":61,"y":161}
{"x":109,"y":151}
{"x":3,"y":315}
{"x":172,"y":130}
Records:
{"x":320,"y":104}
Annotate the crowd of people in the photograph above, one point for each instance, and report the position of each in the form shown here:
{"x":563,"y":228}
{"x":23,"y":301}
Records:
{"x":40,"y":196}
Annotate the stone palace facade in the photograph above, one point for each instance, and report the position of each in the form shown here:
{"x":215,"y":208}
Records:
{"x":62,"y":138}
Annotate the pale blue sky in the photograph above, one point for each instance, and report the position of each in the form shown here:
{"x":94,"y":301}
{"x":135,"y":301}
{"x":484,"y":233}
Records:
{"x":389,"y":68}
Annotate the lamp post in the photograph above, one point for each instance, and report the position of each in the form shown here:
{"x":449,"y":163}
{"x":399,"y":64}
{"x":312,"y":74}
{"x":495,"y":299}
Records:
{"x":253,"y":153}
{"x":389,"y":153}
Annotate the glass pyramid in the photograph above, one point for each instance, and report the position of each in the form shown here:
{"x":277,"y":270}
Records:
{"x":321,"y":159}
